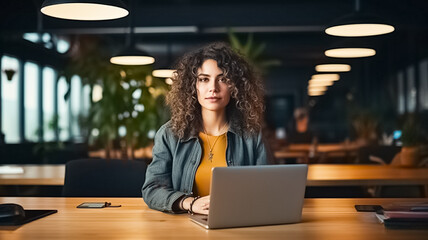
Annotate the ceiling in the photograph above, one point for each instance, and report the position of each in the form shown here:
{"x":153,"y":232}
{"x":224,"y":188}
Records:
{"x":293,"y":30}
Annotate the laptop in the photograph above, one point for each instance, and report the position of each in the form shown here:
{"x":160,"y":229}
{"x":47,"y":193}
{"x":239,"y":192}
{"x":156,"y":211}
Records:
{"x":255,"y":195}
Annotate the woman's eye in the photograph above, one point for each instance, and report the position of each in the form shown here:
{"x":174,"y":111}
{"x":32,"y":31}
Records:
{"x":222,"y":80}
{"x":203,"y":79}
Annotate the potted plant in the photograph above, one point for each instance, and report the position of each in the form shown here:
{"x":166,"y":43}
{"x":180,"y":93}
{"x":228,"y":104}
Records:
{"x":131,"y":108}
{"x":253,"y":51}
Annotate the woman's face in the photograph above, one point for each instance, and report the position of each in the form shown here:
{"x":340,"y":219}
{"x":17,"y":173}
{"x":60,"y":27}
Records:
{"x":212,"y":89}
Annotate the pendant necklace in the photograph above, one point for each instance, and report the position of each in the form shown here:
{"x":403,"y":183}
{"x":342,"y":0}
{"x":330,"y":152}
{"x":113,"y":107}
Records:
{"x":211,"y":154}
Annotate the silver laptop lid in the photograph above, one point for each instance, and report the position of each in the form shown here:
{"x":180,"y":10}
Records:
{"x":256,"y":195}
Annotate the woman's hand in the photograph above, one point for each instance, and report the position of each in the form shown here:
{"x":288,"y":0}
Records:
{"x":200,"y":206}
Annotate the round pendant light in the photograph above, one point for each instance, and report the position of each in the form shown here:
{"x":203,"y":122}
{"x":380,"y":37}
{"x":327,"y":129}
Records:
{"x":169,"y":81}
{"x":317,"y":89}
{"x":323,"y":76}
{"x":315,"y":93}
{"x":350,"y":52}
{"x":333,"y":68}
{"x":89,"y":10}
{"x":359,"y":29}
{"x":132,"y":56}
{"x":359,"y":24}
{"x":163,"y":73}
{"x":314,"y":83}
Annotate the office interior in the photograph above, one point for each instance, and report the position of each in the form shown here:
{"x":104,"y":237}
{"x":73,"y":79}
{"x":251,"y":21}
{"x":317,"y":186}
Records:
{"x":62,"y":99}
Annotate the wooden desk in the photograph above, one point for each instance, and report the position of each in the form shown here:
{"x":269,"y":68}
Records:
{"x":356,"y":174}
{"x":322,"y":219}
{"x":366,"y":175}
{"x":35,"y":175}
{"x":321,"y":152}
{"x":318,"y":175}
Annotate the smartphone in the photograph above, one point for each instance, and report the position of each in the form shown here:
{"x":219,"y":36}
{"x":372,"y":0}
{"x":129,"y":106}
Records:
{"x":92,"y":205}
{"x":368,"y":208}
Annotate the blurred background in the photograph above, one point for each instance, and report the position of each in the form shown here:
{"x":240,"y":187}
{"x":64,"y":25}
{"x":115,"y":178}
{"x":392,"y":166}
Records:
{"x":62,"y":98}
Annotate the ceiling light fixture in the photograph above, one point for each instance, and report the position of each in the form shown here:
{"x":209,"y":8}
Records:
{"x":359,"y":25}
{"x":131,"y":55}
{"x":316,"y":89}
{"x":330,"y":77}
{"x":165,"y":72}
{"x":333,"y":68}
{"x":169,"y":81}
{"x":326,"y":82}
{"x":359,"y":30}
{"x":350,"y":52}
{"x":89,"y":10}
{"x":313,"y":83}
{"x":315,"y":94}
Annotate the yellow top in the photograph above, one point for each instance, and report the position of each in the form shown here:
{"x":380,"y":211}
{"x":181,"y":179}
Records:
{"x":202,"y":183}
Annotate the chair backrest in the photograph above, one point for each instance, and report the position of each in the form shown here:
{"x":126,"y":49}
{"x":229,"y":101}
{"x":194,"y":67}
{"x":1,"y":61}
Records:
{"x":104,"y":178}
{"x":385,"y":153}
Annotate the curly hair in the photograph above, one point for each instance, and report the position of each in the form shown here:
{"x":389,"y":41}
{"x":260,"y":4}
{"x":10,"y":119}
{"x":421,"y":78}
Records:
{"x":246,"y":106}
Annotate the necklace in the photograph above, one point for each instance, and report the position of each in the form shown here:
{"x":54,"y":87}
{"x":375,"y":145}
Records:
{"x":211,"y":154}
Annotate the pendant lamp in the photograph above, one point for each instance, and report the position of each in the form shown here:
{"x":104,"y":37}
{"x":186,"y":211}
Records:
{"x":333,"y":68}
{"x":317,"y":88}
{"x":131,"y":55}
{"x":316,"y":83}
{"x":165,"y":72}
{"x":351,"y":48}
{"x":316,"y":93}
{"x":350,"y":52}
{"x":330,"y":77}
{"x":89,"y":10}
{"x":359,"y":24}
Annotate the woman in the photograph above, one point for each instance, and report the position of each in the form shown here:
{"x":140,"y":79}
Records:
{"x":216,"y":104}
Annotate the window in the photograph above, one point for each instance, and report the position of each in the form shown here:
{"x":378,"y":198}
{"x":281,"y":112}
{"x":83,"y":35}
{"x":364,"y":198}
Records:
{"x":401,"y":98}
{"x":48,"y":104}
{"x":31,"y":101}
{"x":10,"y":101}
{"x":411,"y":89}
{"x":423,"y":84}
{"x":76,"y":105}
{"x":86,"y":104}
{"x":63,"y":111}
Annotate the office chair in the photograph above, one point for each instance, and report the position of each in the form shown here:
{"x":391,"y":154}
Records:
{"x":384,"y":155}
{"x":104,"y":178}
{"x":377,"y":154}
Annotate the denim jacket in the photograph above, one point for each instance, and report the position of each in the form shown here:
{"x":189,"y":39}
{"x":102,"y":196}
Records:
{"x":172,"y":172}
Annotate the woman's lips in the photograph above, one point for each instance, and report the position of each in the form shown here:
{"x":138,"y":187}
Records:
{"x":213,"y":99}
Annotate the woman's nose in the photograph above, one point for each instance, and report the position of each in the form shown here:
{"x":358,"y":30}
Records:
{"x":213,"y":86}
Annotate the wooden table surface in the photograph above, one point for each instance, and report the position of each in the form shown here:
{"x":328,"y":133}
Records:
{"x":321,"y":150}
{"x":359,"y":174}
{"x":322,"y":147}
{"x":35,"y":175}
{"x":318,"y":175}
{"x":323,"y":219}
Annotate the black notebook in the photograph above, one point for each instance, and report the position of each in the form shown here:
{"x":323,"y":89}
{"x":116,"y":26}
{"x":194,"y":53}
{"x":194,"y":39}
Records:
{"x":406,"y":223}
{"x":30,"y":215}
{"x":403,"y":219}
